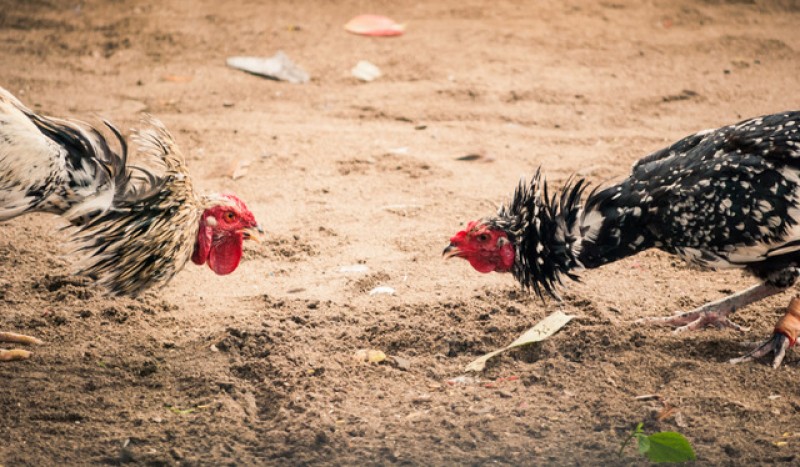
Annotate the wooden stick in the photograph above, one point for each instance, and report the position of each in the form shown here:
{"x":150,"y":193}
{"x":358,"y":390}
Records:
{"x":19,"y":338}
{"x":14,"y":354}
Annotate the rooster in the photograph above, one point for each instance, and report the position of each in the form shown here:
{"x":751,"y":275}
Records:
{"x":135,"y":227}
{"x":724,"y":198}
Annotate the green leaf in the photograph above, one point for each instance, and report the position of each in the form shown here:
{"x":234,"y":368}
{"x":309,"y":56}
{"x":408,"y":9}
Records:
{"x":668,"y":446}
{"x":644,"y":444}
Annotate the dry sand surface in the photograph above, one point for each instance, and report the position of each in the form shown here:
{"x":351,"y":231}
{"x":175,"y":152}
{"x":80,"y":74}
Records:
{"x":346,"y":173}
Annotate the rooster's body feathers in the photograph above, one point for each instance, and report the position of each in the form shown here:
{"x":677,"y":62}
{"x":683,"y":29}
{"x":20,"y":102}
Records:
{"x":727,"y":198}
{"x":51,"y":165}
{"x":149,"y":233}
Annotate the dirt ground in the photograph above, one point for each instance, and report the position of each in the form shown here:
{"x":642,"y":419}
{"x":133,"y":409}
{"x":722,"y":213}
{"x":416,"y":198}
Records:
{"x":257,"y":367}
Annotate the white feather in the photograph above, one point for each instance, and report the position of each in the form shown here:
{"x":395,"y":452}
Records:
{"x":28,"y":160}
{"x":101,"y":202}
{"x":594,"y":221}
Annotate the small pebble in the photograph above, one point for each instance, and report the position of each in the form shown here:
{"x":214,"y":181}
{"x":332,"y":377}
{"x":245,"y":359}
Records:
{"x":369,"y":355}
{"x":401,"y":363}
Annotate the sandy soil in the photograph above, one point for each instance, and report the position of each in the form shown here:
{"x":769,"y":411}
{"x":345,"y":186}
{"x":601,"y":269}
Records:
{"x":345,"y":173}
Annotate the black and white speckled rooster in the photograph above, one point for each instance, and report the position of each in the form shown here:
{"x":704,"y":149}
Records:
{"x":135,"y":227}
{"x":725,"y":198}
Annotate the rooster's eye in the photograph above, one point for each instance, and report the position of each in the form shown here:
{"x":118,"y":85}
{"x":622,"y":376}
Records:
{"x":483,"y":237}
{"x":230,"y":216}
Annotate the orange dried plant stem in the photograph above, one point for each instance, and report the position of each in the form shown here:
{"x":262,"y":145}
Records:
{"x":789,"y":324}
{"x":19,"y":338}
{"x":13,"y":354}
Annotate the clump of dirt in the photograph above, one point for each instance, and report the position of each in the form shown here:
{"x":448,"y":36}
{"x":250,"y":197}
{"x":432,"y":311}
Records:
{"x":291,"y":248}
{"x":369,"y":282}
{"x":409,"y":166}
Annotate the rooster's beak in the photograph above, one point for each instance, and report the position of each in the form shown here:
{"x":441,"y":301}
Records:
{"x":254,"y":233}
{"x":451,"y":251}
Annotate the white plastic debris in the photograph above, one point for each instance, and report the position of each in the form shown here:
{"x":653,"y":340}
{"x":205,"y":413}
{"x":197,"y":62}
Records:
{"x":383,"y":289}
{"x":278,"y":67}
{"x":366,"y":71}
{"x":355,"y":268}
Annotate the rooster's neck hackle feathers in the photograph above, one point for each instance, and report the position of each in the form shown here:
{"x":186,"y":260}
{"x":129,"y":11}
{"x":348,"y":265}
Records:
{"x":149,"y":234}
{"x":157,"y":145}
{"x":544,"y":229}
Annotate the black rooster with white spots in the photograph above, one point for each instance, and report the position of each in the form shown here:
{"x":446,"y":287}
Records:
{"x":724,"y":198}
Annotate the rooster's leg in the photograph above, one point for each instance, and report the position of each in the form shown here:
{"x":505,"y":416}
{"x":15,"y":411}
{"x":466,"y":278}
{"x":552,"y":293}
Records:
{"x":784,"y":337}
{"x":16,"y":354}
{"x":716,"y":313}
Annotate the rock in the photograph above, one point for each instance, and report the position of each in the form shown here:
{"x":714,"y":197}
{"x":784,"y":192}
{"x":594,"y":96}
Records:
{"x":176,"y":453}
{"x":382,"y":290}
{"x":369,"y":355}
{"x":366,"y":71}
{"x":400,"y":363}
